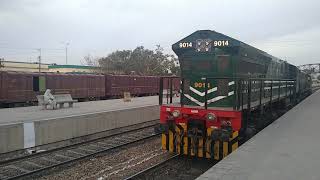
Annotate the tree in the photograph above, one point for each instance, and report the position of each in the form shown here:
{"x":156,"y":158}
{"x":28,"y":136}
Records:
{"x":89,"y":60}
{"x":141,"y":61}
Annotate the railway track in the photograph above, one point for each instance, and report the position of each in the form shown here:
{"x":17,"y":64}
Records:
{"x":33,"y":164}
{"x":5,"y":157}
{"x":176,"y":167}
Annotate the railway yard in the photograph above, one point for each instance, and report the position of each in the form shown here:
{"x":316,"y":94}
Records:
{"x":159,"y":90}
{"x":249,"y":121}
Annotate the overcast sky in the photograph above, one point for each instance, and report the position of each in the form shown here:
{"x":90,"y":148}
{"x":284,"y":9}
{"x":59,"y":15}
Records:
{"x":288,"y":29}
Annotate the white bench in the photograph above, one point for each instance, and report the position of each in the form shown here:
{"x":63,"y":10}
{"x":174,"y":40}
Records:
{"x":60,"y":99}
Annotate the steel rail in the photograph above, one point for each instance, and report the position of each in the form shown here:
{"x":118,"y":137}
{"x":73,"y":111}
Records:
{"x":74,"y":159}
{"x":2,"y":163}
{"x":152,"y":167}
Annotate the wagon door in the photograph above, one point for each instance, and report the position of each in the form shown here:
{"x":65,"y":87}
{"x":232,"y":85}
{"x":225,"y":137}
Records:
{"x":39,"y":83}
{"x":91,"y":87}
{"x":42,"y":83}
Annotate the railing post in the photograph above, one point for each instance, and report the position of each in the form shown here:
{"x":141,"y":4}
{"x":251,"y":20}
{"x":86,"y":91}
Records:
{"x":286,"y":88}
{"x":161,"y":91}
{"x":182,"y":92}
{"x":249,"y":104}
{"x":171,"y":92}
{"x":167,"y":94}
{"x":271,"y":94}
{"x":235,"y":96}
{"x":242,"y":94}
{"x":238,"y":95}
{"x":206,"y":94}
{"x":295,"y":91}
{"x":260,"y":95}
{"x":290,"y":89}
{"x":249,"y":95}
{"x":279,"y":90}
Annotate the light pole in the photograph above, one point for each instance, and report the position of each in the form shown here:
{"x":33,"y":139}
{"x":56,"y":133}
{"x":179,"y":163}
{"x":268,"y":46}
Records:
{"x":67,"y":44}
{"x":66,"y":50}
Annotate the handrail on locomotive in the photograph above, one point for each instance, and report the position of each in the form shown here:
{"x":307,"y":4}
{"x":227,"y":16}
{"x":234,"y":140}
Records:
{"x":243,"y":86}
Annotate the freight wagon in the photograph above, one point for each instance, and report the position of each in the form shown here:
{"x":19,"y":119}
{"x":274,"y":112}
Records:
{"x":116,"y":85}
{"x":20,"y":87}
{"x":82,"y":87}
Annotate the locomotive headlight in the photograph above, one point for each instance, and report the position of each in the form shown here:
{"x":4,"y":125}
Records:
{"x":211,"y":117}
{"x":176,"y":113}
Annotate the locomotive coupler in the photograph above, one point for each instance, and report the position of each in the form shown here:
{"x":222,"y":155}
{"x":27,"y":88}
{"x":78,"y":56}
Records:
{"x":226,"y":133}
{"x":195,"y":134}
{"x":215,"y":135}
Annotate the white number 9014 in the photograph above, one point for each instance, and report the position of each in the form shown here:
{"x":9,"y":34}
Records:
{"x":221,"y":43}
{"x":185,"y":45}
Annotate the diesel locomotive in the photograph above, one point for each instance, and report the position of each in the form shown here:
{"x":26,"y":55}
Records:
{"x":229,"y":90}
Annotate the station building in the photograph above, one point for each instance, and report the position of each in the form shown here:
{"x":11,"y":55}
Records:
{"x":43,"y":67}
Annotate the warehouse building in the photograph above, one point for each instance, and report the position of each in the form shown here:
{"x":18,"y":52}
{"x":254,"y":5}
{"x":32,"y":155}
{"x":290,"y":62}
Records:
{"x":43,"y":67}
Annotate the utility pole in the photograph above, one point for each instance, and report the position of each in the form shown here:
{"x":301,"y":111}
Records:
{"x":39,"y":58}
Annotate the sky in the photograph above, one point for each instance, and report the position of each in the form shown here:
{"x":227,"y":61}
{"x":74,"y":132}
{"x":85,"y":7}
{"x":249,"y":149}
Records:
{"x":288,"y":29}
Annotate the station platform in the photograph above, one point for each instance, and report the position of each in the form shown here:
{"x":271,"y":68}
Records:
{"x":35,"y":113}
{"x":287,"y":149}
{"x":26,"y":127}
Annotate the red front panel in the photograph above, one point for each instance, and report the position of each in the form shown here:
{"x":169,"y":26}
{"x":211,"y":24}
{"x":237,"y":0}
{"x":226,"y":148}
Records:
{"x":187,"y":113}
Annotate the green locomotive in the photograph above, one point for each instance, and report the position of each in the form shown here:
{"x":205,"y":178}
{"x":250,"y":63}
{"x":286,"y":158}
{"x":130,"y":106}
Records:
{"x":227,"y":86}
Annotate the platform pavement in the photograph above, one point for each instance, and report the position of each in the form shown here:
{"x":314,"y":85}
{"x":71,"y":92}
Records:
{"x":30,"y":126}
{"x":288,"y":149}
{"x":35,"y":113}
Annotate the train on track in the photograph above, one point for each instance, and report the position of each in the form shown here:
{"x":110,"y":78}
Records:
{"x":229,"y":91}
{"x":22,"y":88}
